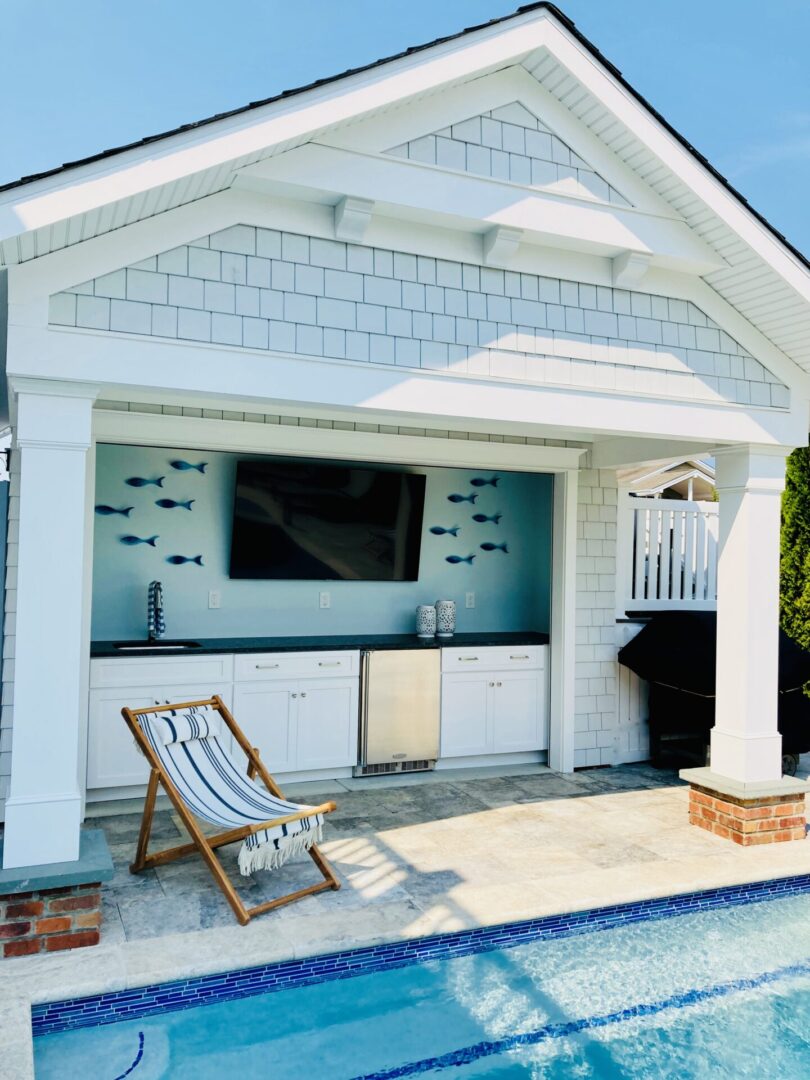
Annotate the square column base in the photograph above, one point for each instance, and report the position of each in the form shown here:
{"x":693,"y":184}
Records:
{"x":748,"y":814}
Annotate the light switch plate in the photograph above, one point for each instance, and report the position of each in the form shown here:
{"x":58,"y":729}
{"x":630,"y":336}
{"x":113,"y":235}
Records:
{"x":325,"y":599}
{"x":214,"y":598}
{"x":470,"y":602}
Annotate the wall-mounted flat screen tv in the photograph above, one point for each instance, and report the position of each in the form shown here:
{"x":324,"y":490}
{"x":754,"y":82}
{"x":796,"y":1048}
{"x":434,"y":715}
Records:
{"x":306,"y":520}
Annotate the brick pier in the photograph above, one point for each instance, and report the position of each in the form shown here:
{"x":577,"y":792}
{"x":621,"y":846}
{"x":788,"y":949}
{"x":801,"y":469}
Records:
{"x":50,"y":920}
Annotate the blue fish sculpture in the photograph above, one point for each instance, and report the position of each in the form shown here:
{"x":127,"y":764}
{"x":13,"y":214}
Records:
{"x":495,"y":547}
{"x":133,"y":540}
{"x":140,"y":481}
{"x":439,"y":530}
{"x":481,"y":518}
{"x":463,"y":498}
{"x":171,"y":504}
{"x":178,"y":560}
{"x":106,"y":511}
{"x":184,"y":466}
{"x":479,"y":481}
{"x":455,"y":559}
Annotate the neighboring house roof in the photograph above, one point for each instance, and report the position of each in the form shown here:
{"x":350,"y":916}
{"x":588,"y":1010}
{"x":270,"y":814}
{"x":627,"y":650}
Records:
{"x":655,"y":477}
{"x":130,"y":183}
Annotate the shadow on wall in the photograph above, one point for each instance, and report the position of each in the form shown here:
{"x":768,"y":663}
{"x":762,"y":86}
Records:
{"x":189,"y":551}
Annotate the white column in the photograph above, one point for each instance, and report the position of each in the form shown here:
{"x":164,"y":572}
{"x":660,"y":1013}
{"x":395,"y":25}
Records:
{"x":52,"y":437}
{"x":746,"y":745}
{"x":563,"y":621}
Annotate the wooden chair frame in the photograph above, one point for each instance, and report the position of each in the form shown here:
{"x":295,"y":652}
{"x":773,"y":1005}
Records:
{"x":207,"y":845}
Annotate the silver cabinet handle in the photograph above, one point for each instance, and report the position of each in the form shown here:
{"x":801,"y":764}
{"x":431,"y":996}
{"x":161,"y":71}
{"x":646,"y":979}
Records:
{"x":293,"y":695}
{"x":261,"y":667}
{"x":467,"y":659}
{"x":303,"y":693}
{"x":519,"y":658}
{"x":330,"y":663}
{"x":492,"y":684}
{"x":499,"y":684}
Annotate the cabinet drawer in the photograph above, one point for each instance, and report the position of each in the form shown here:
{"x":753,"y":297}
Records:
{"x":494,"y":658}
{"x":203,"y":671}
{"x":287,"y":665}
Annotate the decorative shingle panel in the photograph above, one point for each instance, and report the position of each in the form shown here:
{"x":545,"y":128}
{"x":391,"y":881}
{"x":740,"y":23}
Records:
{"x":511,"y":143}
{"x":342,"y":301}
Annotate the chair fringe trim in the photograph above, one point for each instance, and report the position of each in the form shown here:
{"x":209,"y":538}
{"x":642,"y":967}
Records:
{"x":267,"y":856}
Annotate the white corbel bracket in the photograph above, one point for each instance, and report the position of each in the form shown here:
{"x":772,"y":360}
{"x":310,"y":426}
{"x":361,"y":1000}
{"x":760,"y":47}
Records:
{"x":352,"y":218}
{"x":630,"y":268}
{"x":500,"y":244}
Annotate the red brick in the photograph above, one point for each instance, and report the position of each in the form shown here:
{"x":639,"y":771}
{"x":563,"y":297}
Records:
{"x":79,"y":940}
{"x":75,"y":903}
{"x":10,"y":897}
{"x":53,"y":925}
{"x":14,"y":929}
{"x":21,"y":948}
{"x":699,"y":799}
{"x":26,"y":907}
{"x":92,"y":885}
{"x":57,"y":892}
{"x":87,"y":919}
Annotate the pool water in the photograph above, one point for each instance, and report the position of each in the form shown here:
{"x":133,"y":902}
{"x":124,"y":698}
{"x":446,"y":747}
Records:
{"x":718,"y":993}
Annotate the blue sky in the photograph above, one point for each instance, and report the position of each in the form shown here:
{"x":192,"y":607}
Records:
{"x":731,"y":75}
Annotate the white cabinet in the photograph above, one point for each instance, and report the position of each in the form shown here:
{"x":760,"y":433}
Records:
{"x":266,"y":714}
{"x":299,"y":709}
{"x":493,"y":710}
{"x":465,"y":709}
{"x":113,"y":760}
{"x":300,"y":725}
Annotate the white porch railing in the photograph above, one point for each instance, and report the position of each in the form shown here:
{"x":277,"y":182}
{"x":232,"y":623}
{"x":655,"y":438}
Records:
{"x":666,"y":555}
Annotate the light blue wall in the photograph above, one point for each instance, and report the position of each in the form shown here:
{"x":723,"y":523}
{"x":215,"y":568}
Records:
{"x":512,"y":591}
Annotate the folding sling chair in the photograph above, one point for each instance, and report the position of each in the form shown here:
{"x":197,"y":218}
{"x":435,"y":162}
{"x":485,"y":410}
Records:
{"x":183,"y":746}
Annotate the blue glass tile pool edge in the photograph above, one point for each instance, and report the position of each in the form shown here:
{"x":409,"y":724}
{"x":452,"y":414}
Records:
{"x":130,"y":1004}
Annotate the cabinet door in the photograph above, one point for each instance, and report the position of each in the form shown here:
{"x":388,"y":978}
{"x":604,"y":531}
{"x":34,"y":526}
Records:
{"x":113,"y":760}
{"x":516,"y":714}
{"x":464,"y":713}
{"x":326,"y":725}
{"x":266,"y":714}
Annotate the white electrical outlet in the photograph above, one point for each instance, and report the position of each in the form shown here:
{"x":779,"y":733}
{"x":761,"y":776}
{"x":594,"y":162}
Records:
{"x":214,"y":598}
{"x":325,"y":600}
{"x":470,"y":599}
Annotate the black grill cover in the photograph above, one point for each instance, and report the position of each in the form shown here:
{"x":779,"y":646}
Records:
{"x":678,"y":648}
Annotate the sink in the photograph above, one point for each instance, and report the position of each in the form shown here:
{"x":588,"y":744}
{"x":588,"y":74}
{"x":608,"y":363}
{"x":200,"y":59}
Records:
{"x":153,"y":646}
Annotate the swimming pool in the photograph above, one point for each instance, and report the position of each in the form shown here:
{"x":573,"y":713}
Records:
{"x":720,"y":991}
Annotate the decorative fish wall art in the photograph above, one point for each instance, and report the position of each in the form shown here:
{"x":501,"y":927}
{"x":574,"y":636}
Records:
{"x":495,"y":547}
{"x":140,"y":481}
{"x":479,"y":481}
{"x":185,"y":466}
{"x":481,"y":518}
{"x":131,"y":541}
{"x":107,"y":511}
{"x":179,"y":560}
{"x":463,"y":498}
{"x":172,"y":504}
{"x":439,"y":530}
{"x":456,"y":559}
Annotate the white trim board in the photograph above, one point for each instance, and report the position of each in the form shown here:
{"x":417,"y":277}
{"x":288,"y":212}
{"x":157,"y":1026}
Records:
{"x":189,"y":432}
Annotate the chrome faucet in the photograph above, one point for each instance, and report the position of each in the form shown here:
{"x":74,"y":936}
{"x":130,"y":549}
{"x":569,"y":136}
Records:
{"x":155,"y":619}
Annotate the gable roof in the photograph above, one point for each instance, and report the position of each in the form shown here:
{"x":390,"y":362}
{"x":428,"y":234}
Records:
{"x":756,"y":264}
{"x":410,"y":51}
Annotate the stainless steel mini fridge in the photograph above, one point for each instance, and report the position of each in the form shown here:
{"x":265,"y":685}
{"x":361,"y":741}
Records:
{"x":399,"y":710}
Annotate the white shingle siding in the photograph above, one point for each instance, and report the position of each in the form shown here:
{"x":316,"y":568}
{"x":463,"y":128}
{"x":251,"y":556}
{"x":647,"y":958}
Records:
{"x":510,"y":143}
{"x":330,"y":299}
{"x":596,"y":671}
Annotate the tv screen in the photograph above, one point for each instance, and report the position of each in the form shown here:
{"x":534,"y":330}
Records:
{"x":305,"y":520}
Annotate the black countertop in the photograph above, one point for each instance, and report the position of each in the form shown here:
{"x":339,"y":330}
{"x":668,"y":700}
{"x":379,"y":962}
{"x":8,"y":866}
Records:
{"x":323,"y":643}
